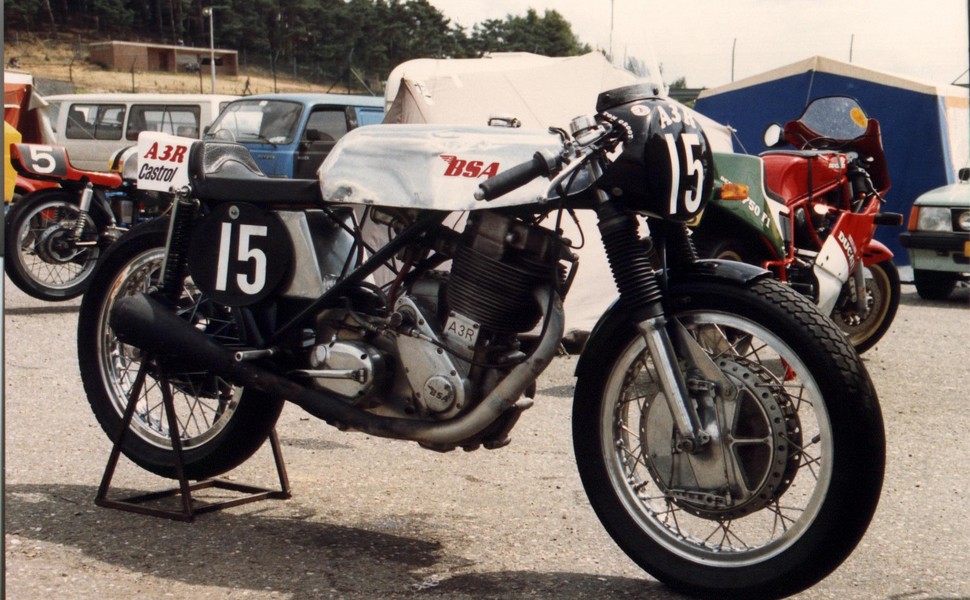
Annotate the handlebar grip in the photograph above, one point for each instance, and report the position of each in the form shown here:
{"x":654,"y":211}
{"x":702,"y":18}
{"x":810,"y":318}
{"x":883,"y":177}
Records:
{"x":542,"y":164}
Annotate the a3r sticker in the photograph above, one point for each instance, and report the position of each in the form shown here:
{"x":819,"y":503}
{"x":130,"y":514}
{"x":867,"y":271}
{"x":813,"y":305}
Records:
{"x":163,"y":163}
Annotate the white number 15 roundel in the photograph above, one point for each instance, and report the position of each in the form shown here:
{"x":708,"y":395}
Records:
{"x":687,"y":172}
{"x":239,"y":254}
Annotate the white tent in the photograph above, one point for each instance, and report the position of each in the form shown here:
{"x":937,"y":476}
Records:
{"x":540,"y":92}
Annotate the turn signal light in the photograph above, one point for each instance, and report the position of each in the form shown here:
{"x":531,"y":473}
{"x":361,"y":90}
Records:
{"x":734,"y":191}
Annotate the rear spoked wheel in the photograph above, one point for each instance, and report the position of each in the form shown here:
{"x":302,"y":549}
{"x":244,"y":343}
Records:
{"x":51,"y":247}
{"x":220,"y":424}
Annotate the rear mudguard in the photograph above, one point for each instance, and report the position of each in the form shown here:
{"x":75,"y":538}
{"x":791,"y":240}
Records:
{"x":617,"y":316}
{"x":876,"y":252}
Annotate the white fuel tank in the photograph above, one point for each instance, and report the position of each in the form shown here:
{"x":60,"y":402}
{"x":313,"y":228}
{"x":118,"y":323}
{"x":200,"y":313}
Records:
{"x":436,"y":167}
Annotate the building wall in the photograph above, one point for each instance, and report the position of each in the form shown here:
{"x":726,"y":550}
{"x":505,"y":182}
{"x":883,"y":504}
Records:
{"x":124,"y":56}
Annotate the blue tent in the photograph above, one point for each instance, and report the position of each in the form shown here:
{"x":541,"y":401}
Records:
{"x":925,"y":127}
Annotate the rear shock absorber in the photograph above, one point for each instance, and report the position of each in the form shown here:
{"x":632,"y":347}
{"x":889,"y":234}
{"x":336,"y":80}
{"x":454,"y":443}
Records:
{"x":84,"y":207}
{"x":175,"y":266}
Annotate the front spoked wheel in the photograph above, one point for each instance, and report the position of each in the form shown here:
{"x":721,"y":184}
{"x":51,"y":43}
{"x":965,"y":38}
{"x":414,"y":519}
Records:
{"x":791,"y":477}
{"x":882,"y":301}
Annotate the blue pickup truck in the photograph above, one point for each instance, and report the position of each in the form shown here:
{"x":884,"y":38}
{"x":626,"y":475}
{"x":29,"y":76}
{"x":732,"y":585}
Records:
{"x":289,"y":135}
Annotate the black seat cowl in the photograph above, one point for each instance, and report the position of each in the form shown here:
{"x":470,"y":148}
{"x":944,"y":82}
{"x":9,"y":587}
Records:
{"x":224,"y":171}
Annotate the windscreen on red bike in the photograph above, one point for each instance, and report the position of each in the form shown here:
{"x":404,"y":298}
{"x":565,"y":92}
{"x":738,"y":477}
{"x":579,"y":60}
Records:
{"x":836,"y":118}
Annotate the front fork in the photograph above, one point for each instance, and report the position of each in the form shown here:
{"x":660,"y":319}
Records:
{"x":858,"y":293}
{"x":667,"y":340}
{"x":690,"y":435}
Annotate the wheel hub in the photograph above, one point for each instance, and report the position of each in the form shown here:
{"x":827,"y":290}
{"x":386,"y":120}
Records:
{"x":753,"y":455}
{"x":850,"y":314}
{"x":55,"y":245}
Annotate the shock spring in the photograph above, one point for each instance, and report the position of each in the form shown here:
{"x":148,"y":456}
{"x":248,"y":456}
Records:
{"x":176,"y":254}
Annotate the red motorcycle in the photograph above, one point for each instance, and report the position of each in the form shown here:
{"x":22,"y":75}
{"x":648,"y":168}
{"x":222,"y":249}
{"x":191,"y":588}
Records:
{"x":813,"y":226}
{"x":53,"y":236}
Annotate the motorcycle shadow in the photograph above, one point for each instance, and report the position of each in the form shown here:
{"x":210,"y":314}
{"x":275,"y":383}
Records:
{"x":50,"y":309}
{"x":264,"y":550}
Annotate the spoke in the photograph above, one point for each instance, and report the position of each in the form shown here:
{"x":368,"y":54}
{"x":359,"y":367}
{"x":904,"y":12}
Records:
{"x":201,"y":402}
{"x":781,"y":520}
{"x":726,"y":535}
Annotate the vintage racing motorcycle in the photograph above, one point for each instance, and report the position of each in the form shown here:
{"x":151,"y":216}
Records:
{"x":809,"y":214}
{"x":54,"y":236}
{"x":728,"y":436}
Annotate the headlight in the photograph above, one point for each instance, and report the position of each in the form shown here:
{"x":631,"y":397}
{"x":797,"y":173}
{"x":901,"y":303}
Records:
{"x":934,"y":218}
{"x":963,"y":220}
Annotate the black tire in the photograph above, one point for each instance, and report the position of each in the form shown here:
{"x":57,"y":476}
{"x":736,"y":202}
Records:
{"x":221,"y":424}
{"x":41,"y":257}
{"x":934,"y":285}
{"x":805,"y":395}
{"x":882,"y":295}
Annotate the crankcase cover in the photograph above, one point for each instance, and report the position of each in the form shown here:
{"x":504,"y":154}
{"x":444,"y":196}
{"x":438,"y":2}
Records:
{"x":347,"y":368}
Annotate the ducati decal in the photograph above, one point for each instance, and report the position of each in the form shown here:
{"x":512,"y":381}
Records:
{"x":458,"y":167}
{"x":849,"y":247}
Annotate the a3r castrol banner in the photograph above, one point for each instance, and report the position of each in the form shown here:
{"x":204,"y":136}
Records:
{"x":163,"y":161}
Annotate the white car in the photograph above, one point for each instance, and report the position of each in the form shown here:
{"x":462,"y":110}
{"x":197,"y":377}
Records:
{"x":938,"y":238}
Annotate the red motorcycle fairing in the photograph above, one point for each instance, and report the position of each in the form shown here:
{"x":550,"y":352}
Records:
{"x":854,"y":232}
{"x":799,"y":174}
{"x":868,"y":144}
{"x":27,"y":185}
{"x":51,"y":163}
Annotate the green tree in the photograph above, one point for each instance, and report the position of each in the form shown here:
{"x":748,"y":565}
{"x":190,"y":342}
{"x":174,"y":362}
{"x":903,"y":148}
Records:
{"x":348,"y":41}
{"x":549,"y":35}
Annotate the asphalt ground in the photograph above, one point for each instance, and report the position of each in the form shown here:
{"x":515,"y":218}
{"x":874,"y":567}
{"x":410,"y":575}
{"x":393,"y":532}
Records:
{"x":373,"y":518}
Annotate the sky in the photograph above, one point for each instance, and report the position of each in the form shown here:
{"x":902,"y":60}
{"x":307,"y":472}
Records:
{"x":695,"y":39}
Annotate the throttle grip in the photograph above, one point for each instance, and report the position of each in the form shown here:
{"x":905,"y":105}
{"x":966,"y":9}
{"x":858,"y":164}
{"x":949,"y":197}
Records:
{"x":543,"y":163}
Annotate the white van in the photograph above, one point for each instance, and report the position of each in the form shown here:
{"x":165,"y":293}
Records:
{"x":93,"y":126}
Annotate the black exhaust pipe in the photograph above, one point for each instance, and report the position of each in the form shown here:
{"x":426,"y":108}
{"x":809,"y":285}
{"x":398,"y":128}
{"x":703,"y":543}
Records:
{"x":145,"y":323}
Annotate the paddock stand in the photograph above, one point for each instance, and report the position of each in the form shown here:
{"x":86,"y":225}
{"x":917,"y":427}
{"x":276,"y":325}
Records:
{"x":188,"y":511}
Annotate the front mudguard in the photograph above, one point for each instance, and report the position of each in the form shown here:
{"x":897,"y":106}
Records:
{"x":618,"y":316}
{"x":875,"y":253}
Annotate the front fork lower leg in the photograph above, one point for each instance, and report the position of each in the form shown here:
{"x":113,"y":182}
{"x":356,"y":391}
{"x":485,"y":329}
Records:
{"x":690,"y":436}
{"x":861,"y":297}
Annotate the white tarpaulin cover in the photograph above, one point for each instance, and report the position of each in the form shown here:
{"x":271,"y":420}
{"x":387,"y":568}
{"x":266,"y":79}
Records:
{"x":540,"y":92}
